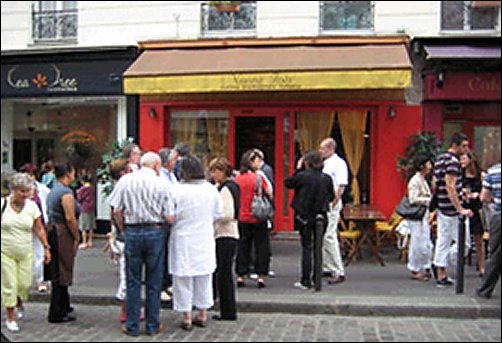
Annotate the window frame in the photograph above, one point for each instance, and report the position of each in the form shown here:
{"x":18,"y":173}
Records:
{"x":323,"y":31}
{"x":60,"y":9}
{"x":465,"y":29}
{"x":232,"y":32}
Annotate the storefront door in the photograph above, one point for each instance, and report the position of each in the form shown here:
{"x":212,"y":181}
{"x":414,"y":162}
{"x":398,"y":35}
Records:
{"x":262,"y":129}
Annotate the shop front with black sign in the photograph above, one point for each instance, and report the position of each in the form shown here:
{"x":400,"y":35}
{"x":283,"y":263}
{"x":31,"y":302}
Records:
{"x":65,"y":106}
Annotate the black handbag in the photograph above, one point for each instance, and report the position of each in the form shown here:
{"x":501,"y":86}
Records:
{"x":410,"y":211}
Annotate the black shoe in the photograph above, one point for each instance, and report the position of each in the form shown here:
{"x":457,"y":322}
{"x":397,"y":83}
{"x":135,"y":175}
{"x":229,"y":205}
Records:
{"x":218,"y":317}
{"x":479,"y":295}
{"x":434,"y":271}
{"x":65,"y":319}
{"x":445,"y":282}
{"x":70,"y":309}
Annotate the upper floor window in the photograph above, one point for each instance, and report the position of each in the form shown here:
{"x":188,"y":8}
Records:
{"x":346,"y":15}
{"x":239,"y":20}
{"x":54,"y":20}
{"x":469,"y":15}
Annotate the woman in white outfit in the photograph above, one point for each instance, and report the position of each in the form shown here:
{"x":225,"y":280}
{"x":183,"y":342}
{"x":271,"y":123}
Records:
{"x":192,"y":247}
{"x":420,"y":251}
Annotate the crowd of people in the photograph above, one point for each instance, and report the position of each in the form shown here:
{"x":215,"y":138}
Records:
{"x":192,"y":258}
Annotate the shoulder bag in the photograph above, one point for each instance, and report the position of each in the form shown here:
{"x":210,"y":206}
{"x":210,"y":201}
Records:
{"x":410,"y":211}
{"x":261,"y":206}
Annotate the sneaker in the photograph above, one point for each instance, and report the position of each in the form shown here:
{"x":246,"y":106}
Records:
{"x":42,"y":287}
{"x":253,"y":276}
{"x":271,"y":273}
{"x":299,"y":285}
{"x":20,"y":312}
{"x":164,"y":296}
{"x":12,"y":326}
{"x":445,"y":282}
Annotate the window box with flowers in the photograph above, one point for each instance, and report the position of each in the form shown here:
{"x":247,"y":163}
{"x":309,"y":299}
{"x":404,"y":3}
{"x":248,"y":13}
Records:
{"x":226,"y":6}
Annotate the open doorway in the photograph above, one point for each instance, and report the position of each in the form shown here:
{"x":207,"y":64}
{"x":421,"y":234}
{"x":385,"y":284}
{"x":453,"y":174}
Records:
{"x":255,"y":132}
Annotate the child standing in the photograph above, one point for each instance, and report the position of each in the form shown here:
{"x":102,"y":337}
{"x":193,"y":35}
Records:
{"x":86,"y":196}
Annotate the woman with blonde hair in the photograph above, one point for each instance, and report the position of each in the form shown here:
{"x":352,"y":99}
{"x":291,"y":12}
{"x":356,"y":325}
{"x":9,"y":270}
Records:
{"x":21,"y":217}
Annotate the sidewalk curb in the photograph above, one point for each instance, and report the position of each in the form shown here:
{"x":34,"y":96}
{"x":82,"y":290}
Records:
{"x":338,"y":307}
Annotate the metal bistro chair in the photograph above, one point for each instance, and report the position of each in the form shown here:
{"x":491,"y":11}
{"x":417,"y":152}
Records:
{"x":349,"y":237}
{"x":387,"y":229}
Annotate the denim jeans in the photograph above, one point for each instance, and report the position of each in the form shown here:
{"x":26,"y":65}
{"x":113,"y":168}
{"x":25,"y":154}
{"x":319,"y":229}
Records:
{"x":144,"y":246}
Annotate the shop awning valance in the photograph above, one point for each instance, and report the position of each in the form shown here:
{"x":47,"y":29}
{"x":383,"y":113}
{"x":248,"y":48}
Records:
{"x":269,"y":69}
{"x":461,"y":52}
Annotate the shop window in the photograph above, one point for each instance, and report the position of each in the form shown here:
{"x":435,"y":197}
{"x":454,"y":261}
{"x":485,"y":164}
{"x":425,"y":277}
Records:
{"x":54,"y":21}
{"x":346,"y":15}
{"x":79,"y":134}
{"x":238,"y":22}
{"x":467,"y":16}
{"x":343,"y":126}
{"x":206,"y":132}
{"x":486,"y":141}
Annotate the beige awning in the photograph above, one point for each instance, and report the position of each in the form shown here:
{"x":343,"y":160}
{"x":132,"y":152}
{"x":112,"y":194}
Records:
{"x":266,"y":69}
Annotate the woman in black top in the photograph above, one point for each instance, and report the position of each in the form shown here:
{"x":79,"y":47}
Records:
{"x":313,"y":193}
{"x":471,"y":187}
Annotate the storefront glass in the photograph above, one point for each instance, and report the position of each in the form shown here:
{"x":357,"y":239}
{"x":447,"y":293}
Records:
{"x":63,"y":132}
{"x":206,"y":132}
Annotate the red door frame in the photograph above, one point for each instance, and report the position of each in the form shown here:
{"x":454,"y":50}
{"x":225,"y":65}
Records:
{"x":278,"y":114}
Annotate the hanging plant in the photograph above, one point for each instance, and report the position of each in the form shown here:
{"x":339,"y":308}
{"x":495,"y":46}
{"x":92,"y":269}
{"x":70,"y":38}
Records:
{"x":226,"y":6}
{"x":421,"y":143}
{"x":103,"y":173}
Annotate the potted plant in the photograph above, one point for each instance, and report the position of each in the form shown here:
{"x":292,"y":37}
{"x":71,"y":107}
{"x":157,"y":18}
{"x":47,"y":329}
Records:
{"x":103,"y":172}
{"x":420,"y":143}
{"x":226,"y":6}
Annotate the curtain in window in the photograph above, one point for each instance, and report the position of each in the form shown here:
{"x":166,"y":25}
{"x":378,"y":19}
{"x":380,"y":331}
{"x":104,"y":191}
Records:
{"x":313,"y":127}
{"x":217,"y":137}
{"x":185,"y":130}
{"x":352,"y":126}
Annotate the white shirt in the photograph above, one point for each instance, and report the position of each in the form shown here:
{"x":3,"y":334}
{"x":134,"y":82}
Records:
{"x":192,"y":247}
{"x":337,"y":169}
{"x":143,"y":197}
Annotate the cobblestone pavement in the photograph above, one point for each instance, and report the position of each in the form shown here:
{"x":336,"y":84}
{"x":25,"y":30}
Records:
{"x":100,"y":324}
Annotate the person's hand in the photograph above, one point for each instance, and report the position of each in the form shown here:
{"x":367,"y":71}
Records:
{"x":467,"y":213}
{"x":47,"y":256}
{"x":299,"y":164}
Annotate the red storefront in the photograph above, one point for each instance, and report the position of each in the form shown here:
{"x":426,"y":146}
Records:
{"x":283,"y":97}
{"x":467,"y":102}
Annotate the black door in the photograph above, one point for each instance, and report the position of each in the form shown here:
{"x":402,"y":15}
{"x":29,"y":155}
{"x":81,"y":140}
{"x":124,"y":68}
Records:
{"x":255,"y":132}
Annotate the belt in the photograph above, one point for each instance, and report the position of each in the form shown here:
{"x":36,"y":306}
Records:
{"x":145,"y":224}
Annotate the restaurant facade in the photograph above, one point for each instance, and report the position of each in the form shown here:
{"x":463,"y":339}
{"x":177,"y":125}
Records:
{"x":282,"y":96}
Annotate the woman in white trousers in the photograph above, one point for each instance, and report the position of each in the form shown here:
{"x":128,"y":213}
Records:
{"x":420,"y":251}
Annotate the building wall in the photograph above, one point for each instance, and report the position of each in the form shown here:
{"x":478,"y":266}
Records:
{"x":111,"y":23}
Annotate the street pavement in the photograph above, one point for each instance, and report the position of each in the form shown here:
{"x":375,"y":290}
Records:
{"x":375,"y":303}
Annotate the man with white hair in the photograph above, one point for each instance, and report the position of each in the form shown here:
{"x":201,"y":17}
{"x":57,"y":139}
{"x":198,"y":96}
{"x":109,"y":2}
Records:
{"x":142,"y":204}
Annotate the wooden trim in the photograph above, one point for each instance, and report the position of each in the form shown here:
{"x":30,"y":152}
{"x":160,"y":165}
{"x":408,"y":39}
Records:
{"x":255,"y":42}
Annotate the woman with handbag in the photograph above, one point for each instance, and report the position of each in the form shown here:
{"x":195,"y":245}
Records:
{"x":419,"y":193}
{"x":251,"y":230}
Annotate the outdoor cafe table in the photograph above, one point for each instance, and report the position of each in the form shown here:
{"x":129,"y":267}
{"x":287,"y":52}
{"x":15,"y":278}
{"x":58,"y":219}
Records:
{"x":364,"y":217}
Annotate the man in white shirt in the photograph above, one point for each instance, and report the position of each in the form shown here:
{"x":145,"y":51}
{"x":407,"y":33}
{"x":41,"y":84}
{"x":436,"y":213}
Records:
{"x":337,"y":169}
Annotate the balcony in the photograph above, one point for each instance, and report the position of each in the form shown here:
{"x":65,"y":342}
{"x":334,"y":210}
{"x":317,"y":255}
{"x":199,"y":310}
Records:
{"x":346,"y":16}
{"x":55,"y":26}
{"x":224,"y":24}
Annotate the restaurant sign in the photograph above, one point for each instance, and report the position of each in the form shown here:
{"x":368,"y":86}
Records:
{"x":460,"y":86}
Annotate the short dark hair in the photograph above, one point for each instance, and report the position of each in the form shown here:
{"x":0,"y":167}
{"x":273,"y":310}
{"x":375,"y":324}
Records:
{"x":457,"y":138}
{"x":313,"y":160}
{"x":118,"y":167}
{"x":183,"y":149}
{"x":191,"y":169}
{"x":420,"y":160}
{"x":164,"y":154}
{"x":221,"y":163}
{"x":62,"y":169}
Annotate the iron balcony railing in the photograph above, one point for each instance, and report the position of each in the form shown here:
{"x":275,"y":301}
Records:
{"x":346,"y":16}
{"x":240,"y":23}
{"x":55,"y":25}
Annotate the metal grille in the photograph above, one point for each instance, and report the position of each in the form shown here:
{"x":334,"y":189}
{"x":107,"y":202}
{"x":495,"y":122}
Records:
{"x":462,"y":16}
{"x":347,"y":15}
{"x":55,"y":25}
{"x":243,"y":21}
